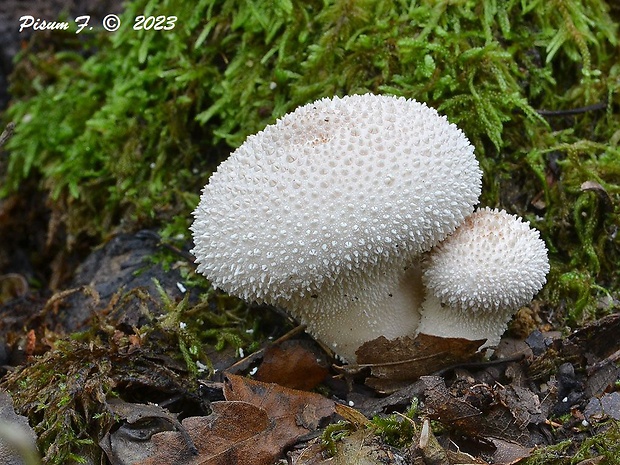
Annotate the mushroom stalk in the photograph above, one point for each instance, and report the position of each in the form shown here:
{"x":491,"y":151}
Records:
{"x":384,"y":301}
{"x":449,"y":322}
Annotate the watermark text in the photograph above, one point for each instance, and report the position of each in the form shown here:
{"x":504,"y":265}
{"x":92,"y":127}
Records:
{"x":38,"y":24}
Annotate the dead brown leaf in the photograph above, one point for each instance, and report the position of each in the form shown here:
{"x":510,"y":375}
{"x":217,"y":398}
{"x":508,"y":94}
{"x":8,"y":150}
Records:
{"x":295,"y":364}
{"x":600,"y":191}
{"x":355,"y":417}
{"x":509,"y":453}
{"x":130,"y":441}
{"x":233,"y":433}
{"x":489,"y":418}
{"x":297,"y":410}
{"x":255,"y":424}
{"x":394,"y":363}
{"x":426,"y":450}
{"x":522,"y":403}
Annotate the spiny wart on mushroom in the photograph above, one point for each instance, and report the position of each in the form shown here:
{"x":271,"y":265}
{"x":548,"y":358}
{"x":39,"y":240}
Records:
{"x":327,"y":212}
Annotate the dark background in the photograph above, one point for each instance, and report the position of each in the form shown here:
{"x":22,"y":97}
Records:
{"x":12,"y":40}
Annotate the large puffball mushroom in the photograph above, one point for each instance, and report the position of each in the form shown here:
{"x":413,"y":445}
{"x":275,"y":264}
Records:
{"x":324,"y":212}
{"x":492,"y":265}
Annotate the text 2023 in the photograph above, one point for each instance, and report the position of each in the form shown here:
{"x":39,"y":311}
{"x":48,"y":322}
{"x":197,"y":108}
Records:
{"x":157,"y":23}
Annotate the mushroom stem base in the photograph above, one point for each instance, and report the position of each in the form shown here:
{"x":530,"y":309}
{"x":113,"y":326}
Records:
{"x":345,"y":315}
{"x":440,"y":320}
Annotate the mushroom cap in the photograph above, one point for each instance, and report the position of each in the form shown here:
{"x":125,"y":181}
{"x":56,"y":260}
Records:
{"x":335,"y":187}
{"x":493,"y":261}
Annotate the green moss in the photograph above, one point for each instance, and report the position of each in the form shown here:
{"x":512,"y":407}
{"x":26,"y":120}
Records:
{"x":124,"y":135}
{"x":63,"y":393}
{"x":603,"y":447}
{"x":397,"y":430}
{"x":333,"y":433}
{"x":217,"y":321}
{"x":60,"y":394}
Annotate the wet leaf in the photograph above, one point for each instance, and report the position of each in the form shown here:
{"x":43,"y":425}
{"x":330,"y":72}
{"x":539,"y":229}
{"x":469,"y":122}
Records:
{"x":231,"y":434}
{"x":130,"y":441}
{"x":283,"y":404}
{"x":295,"y":364}
{"x":394,"y":363}
{"x":490,"y":418}
{"x":253,"y":426}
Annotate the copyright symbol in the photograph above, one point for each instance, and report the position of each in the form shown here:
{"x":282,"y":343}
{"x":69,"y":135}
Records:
{"x":111,"y":23}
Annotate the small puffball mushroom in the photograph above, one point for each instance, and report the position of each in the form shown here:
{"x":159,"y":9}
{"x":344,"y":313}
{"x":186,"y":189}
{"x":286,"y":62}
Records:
{"x":324,"y":212}
{"x":492,"y":265}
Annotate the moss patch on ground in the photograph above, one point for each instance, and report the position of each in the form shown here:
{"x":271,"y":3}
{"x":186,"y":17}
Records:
{"x":122,"y":129}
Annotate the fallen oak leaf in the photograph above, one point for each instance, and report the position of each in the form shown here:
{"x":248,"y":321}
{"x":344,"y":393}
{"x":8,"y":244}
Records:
{"x":253,"y":426}
{"x":280,"y":401}
{"x":128,"y":442}
{"x":229,"y":435}
{"x":395,"y":363}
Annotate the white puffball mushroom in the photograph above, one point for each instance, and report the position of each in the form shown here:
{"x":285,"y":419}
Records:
{"x":324,"y":212}
{"x":492,"y":265}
